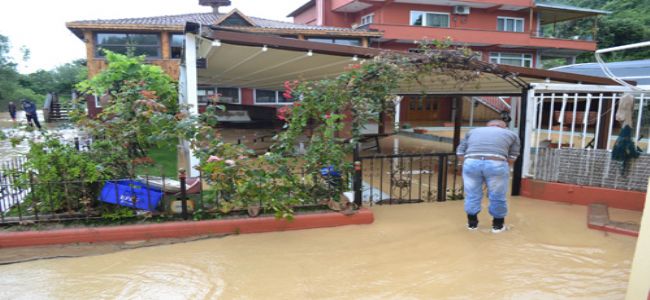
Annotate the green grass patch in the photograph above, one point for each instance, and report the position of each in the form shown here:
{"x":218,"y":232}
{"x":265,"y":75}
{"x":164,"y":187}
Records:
{"x":165,"y":160}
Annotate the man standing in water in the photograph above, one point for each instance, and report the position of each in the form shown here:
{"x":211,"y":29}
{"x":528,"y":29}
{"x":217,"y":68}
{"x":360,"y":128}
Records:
{"x":12,"y":110}
{"x":30,"y":113}
{"x":487,"y":153}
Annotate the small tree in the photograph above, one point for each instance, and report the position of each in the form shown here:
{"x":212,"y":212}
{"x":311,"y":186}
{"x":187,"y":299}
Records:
{"x":140,"y":105}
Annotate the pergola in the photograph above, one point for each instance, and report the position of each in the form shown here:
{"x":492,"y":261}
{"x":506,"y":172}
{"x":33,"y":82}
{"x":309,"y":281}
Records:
{"x":231,"y":58}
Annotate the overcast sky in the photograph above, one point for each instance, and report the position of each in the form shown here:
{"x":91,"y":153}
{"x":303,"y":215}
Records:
{"x":39,"y":25}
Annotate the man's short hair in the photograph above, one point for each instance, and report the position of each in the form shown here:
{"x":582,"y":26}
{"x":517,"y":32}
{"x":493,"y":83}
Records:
{"x":497,"y":123}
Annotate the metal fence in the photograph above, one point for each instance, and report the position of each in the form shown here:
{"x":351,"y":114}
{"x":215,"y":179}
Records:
{"x":408,"y":178}
{"x":579,"y":117}
{"x":24,"y":199}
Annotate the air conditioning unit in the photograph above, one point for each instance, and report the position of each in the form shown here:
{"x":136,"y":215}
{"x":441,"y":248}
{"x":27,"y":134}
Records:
{"x":461,"y":10}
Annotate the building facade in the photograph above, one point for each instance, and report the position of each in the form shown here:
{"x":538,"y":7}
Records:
{"x":161,"y":39}
{"x":510,"y":32}
{"x":514,"y":32}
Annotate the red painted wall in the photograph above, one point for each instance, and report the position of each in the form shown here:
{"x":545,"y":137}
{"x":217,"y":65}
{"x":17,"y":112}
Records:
{"x":332,"y":18}
{"x":480,"y":26}
{"x":247,"y":96}
{"x":306,"y":17}
{"x":400,"y":14}
{"x":93,"y":111}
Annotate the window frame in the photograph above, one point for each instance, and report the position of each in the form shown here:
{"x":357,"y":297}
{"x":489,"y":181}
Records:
{"x":277,"y":98}
{"x":425,"y":13}
{"x":524,"y":57}
{"x":515,"y":19}
{"x":98,"y":103}
{"x":97,"y":46}
{"x":367,"y":17}
{"x":171,"y":39}
{"x":206,"y":89}
{"x":332,"y":40}
{"x":238,"y":93}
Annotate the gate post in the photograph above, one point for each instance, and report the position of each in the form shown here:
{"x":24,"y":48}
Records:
{"x":182,"y":177}
{"x":442,"y":178}
{"x":358,"y":175}
{"x":525,"y":126}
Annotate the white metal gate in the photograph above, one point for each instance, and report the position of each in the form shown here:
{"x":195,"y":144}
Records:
{"x":579,"y":117}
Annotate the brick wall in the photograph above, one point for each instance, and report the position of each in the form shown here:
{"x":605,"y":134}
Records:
{"x":591,"y":168}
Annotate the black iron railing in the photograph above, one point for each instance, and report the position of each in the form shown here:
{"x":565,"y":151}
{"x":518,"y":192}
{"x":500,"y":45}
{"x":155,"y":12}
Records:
{"x":407,"y":178}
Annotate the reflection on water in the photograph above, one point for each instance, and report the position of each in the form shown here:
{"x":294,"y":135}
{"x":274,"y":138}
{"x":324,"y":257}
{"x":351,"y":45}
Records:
{"x":418,"y":251}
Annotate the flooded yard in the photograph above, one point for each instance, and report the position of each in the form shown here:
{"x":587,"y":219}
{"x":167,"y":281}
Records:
{"x":417,"y":251}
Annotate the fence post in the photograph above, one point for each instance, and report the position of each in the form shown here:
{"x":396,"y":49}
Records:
{"x":442,"y":178}
{"x":356,"y":181}
{"x":32,"y":191}
{"x":181,"y":178}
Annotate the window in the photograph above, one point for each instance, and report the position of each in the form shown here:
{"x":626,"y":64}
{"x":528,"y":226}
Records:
{"x":98,"y":103}
{"x":266,"y":97}
{"x":128,"y":43}
{"x":510,"y":24}
{"x":367,"y":19}
{"x":347,"y":42}
{"x":513,"y":59}
{"x":176,"y":44}
{"x":429,"y":19}
{"x":270,"y":97}
{"x":204,"y":94}
{"x":229,"y":95}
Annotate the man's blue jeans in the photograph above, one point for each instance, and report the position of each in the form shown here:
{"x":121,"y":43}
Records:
{"x":496,"y":175}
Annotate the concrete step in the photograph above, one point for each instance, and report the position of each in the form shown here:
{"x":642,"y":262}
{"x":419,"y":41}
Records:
{"x":598,"y":219}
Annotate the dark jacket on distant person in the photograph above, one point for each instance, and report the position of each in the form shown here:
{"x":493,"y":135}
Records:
{"x":12,"y":109}
{"x":29,"y":107}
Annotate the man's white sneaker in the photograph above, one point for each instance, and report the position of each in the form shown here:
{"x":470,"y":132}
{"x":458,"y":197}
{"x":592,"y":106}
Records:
{"x":472,"y":228}
{"x":499,"y":230}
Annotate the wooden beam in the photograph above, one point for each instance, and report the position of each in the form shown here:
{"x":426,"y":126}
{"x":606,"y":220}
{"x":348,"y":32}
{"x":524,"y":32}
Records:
{"x":164,"y":41}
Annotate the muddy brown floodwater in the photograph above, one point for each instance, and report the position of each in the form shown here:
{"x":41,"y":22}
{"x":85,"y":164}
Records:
{"x":416,"y":251}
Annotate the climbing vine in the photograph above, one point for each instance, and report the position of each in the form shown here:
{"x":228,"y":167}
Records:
{"x":331,"y":113}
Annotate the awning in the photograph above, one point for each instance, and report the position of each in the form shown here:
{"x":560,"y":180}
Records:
{"x":235,"y":59}
{"x":553,"y":13}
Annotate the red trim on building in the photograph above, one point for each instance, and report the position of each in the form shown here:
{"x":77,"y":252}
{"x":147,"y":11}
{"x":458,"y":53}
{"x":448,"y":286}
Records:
{"x":583,"y":195}
{"x":180,"y":229}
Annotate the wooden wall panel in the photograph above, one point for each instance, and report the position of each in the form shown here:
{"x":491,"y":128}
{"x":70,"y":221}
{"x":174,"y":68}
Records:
{"x":481,"y":112}
{"x":170,"y":66}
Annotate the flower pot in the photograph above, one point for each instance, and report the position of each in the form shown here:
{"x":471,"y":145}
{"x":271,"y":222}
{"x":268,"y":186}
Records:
{"x":254,"y":210}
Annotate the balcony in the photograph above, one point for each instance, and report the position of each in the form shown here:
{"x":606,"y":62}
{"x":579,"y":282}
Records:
{"x":351,"y":6}
{"x":478,"y":37}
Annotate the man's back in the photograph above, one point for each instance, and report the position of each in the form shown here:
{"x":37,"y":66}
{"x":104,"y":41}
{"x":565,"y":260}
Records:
{"x":490,"y":140}
{"x":29,"y":107}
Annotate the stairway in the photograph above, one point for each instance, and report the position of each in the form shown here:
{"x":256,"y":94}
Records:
{"x":497,"y":104}
{"x":57,"y":111}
